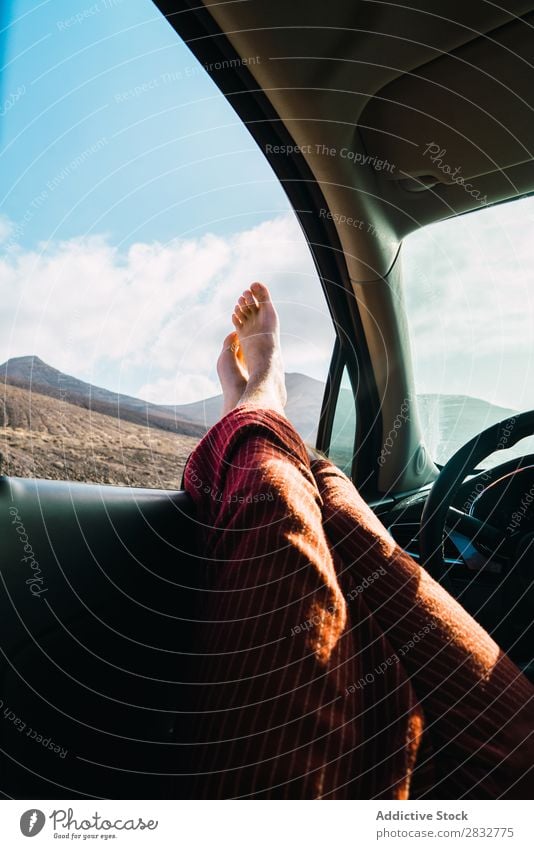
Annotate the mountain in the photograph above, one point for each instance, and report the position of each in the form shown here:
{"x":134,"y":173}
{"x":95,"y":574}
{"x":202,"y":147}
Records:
{"x":304,"y":398}
{"x":44,"y":437}
{"x":33,"y":374}
{"x":449,"y":421}
{"x":57,"y":426}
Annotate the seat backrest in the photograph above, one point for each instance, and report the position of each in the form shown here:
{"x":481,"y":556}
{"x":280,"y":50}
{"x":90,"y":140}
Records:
{"x":99,"y":588}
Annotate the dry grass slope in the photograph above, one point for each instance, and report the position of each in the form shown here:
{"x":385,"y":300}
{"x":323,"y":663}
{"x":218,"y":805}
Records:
{"x":45,"y":437}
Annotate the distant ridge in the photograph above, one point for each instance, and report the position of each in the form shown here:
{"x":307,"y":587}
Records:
{"x":33,"y":374}
{"x":59,"y":427}
{"x":448,"y":421}
{"x":304,"y":399}
{"x":42,"y":437}
{"x":305,"y":396}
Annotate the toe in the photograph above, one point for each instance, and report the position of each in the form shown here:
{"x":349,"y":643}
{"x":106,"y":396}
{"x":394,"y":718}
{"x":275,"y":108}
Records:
{"x":236,"y":321}
{"x":250,"y":300}
{"x":260,"y":292}
{"x":243,"y":304}
{"x":231,"y":342}
{"x":241,"y":313}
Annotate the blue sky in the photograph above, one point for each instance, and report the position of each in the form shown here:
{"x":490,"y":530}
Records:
{"x":171,"y":156}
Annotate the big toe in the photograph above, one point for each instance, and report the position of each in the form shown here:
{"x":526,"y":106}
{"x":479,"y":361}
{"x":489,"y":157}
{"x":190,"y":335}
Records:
{"x":231,"y":343}
{"x":261,"y":293}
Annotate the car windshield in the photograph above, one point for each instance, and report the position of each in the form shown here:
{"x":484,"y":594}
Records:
{"x":470,"y":301}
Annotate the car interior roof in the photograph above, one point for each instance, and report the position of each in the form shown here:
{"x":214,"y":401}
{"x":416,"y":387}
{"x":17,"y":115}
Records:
{"x":384,"y":80}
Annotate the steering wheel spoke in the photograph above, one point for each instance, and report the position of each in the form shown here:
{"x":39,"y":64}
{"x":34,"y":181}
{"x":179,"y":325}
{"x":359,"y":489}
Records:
{"x":485,"y":537}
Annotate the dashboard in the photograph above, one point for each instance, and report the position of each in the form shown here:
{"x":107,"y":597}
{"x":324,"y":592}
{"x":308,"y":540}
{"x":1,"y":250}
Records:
{"x":498,"y":591}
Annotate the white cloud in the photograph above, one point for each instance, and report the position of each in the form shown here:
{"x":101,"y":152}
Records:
{"x":470,"y":297}
{"x":179,"y":389}
{"x":151,"y":321}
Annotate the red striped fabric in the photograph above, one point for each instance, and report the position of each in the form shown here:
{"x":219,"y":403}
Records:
{"x":330,"y":665}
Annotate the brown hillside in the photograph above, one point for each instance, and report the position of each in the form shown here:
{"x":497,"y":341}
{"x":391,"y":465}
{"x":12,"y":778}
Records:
{"x":45,"y":437}
{"x":33,"y":374}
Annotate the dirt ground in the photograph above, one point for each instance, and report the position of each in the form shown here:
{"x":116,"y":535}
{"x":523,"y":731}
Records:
{"x":44,"y":437}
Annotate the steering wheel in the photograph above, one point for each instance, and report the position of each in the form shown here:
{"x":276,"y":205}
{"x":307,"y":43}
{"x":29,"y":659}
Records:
{"x":438,"y":513}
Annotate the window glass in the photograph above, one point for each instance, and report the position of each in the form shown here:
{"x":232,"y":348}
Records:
{"x":135,"y":209}
{"x":344,"y":427}
{"x":470,"y":302}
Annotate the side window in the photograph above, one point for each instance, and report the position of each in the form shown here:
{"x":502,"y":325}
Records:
{"x":136,"y":208}
{"x":343,"y":434}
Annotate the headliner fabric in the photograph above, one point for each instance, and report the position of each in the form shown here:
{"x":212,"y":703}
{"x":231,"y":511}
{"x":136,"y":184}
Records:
{"x":330,"y":665}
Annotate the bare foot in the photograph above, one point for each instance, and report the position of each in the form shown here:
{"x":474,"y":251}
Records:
{"x":232,"y":372}
{"x":256,"y":322}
